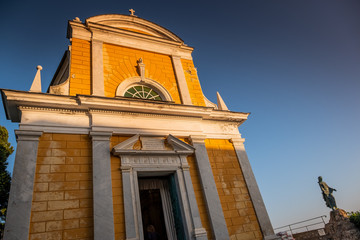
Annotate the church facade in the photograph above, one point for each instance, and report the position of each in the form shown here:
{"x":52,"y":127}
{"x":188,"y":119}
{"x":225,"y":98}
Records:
{"x":124,"y":145}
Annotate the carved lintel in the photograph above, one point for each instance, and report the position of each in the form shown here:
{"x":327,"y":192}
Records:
{"x":153,"y":143}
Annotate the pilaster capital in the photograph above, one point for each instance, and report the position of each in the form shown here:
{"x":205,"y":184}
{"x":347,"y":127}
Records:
{"x":25,"y":135}
{"x":100,"y":136}
{"x":198,"y":139}
{"x":238,"y":141}
{"x":125,"y":168}
{"x":96,"y":41}
{"x":185,"y":167}
{"x":175,"y":57}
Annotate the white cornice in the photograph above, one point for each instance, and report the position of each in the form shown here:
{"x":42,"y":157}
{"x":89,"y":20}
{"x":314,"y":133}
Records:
{"x":16,"y":101}
{"x":13,"y":99}
{"x":81,"y":114}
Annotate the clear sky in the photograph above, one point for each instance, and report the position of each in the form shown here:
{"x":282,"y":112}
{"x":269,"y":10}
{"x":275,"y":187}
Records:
{"x":295,"y":65}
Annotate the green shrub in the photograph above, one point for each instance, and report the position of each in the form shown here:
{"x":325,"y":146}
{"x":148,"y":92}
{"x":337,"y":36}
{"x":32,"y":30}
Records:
{"x":355,"y":218}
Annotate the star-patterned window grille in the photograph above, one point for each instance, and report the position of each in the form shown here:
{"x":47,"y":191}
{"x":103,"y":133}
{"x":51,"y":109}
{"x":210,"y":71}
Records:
{"x":143,"y":92}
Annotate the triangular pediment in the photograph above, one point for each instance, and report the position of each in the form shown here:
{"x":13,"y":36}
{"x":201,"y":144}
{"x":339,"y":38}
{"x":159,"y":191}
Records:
{"x":179,"y":145}
{"x":138,"y":144}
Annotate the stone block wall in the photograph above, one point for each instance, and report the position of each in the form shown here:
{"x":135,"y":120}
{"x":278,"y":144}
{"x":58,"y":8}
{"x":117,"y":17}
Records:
{"x":80,"y":70}
{"x":62,"y":199}
{"x":238,"y":210}
{"x":193,"y":83}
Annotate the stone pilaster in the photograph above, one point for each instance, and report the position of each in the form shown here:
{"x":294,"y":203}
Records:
{"x":259,"y":206}
{"x":214,"y":208}
{"x":22,"y":185}
{"x":129,"y":203}
{"x":181,"y":80}
{"x":102,"y":188}
{"x":199,"y":232}
{"x":97,"y":68}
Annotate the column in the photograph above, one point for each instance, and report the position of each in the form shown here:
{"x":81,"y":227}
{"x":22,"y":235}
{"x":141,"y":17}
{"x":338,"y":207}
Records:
{"x":97,"y":68}
{"x":22,"y":185}
{"x":102,"y":188}
{"x":259,"y":206}
{"x":199,"y":231}
{"x":211,"y":195}
{"x":181,"y":80}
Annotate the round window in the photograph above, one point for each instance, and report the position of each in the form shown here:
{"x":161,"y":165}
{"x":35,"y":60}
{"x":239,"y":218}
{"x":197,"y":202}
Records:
{"x":143,"y":92}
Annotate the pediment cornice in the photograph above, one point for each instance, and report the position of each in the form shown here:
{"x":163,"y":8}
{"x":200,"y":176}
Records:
{"x":119,"y":21}
{"x":153,"y":145}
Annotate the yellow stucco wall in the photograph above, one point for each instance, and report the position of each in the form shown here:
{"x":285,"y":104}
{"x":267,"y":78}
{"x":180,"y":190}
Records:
{"x":80,"y":70}
{"x":192,"y":80}
{"x":234,"y":196}
{"x":120,"y":63}
{"x":62,"y":200}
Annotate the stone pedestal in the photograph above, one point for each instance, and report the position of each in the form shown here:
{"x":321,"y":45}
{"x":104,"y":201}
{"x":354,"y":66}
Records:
{"x":340,"y":227}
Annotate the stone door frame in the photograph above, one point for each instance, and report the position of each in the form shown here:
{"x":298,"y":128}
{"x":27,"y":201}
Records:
{"x":171,"y":158}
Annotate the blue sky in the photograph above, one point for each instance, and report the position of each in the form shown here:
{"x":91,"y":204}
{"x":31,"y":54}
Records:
{"x":293,"y":64}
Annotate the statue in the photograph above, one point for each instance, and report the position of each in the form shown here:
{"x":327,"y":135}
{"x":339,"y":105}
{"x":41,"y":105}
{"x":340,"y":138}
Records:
{"x":327,"y":194}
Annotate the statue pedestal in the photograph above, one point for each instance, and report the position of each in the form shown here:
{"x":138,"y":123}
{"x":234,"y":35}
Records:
{"x":340,"y":227}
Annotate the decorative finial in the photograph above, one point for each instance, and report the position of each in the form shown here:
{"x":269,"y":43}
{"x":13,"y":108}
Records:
{"x":221,"y":103}
{"x":77,"y":19}
{"x":132,"y":11}
{"x":36,"y":85}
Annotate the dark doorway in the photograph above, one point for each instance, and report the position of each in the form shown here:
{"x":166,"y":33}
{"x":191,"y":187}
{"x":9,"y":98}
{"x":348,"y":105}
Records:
{"x":152,"y":215}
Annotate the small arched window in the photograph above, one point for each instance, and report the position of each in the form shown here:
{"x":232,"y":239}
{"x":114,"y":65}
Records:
{"x":143,"y":92}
